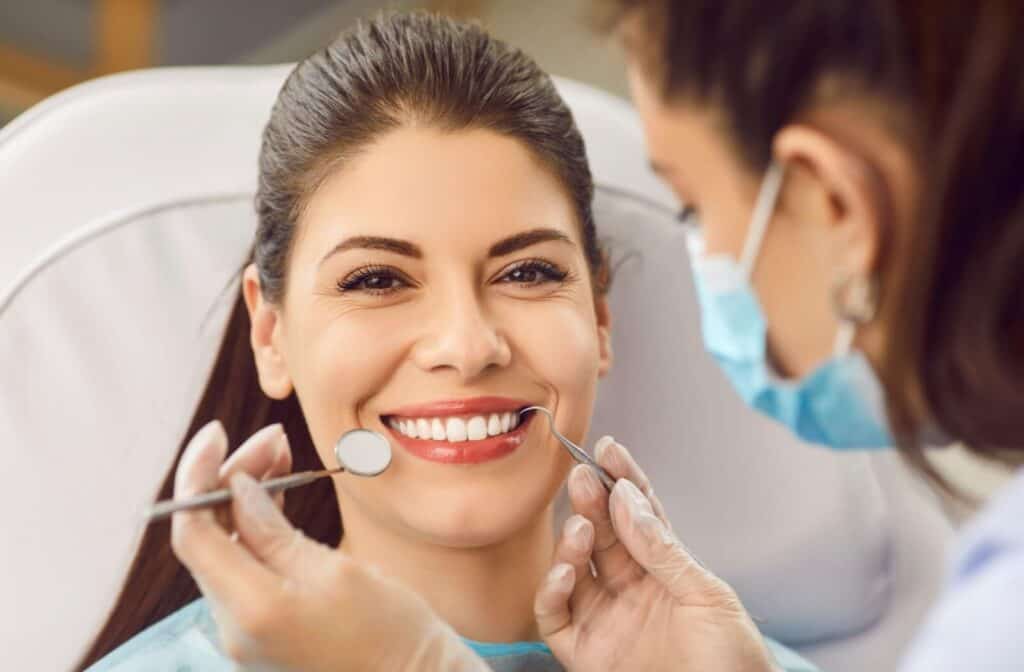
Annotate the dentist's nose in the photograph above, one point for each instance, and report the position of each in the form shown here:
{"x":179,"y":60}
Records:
{"x":462,"y":338}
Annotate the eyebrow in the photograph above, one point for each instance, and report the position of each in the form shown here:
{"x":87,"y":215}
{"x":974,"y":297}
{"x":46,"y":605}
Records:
{"x":526,"y":239}
{"x":395,"y":245}
{"x":502,"y":248}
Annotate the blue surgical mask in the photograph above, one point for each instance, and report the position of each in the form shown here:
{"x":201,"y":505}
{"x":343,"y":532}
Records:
{"x":839,"y":405}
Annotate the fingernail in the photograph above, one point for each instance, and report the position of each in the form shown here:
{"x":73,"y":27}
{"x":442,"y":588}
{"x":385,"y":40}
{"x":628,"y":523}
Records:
{"x":634,"y":498}
{"x":251,"y":496}
{"x":588,"y":482}
{"x":208,"y":431}
{"x":656,"y":531}
{"x":611,"y":455}
{"x":578,"y":532}
{"x":212,"y":433}
{"x":560,"y":576}
{"x":282,"y":444}
{"x":601,"y":445}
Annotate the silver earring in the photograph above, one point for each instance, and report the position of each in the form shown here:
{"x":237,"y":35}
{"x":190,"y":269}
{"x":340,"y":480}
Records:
{"x":855,"y":298}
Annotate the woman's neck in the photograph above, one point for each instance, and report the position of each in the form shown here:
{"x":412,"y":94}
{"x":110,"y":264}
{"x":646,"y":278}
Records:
{"x":485,"y":594}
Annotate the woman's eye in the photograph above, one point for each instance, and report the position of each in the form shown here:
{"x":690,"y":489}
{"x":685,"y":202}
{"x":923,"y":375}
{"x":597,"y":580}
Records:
{"x":373,"y":281}
{"x":533,"y":273}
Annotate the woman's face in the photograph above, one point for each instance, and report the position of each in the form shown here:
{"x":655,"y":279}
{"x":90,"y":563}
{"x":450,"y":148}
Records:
{"x":437,"y":284}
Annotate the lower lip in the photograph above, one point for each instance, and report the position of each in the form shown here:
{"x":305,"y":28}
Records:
{"x":465,"y":452}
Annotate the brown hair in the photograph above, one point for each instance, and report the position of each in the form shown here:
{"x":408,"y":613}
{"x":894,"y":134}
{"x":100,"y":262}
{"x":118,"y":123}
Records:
{"x":955,"y":356}
{"x":383,"y":74}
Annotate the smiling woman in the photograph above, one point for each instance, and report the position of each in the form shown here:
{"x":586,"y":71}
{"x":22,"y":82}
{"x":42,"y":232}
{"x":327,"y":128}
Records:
{"x":426,"y":266}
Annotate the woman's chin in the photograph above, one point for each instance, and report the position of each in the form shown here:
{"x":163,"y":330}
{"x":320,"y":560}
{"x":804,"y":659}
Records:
{"x":478,"y":522}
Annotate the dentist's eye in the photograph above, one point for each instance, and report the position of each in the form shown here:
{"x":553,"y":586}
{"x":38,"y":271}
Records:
{"x":377,"y":280}
{"x":533,"y":273}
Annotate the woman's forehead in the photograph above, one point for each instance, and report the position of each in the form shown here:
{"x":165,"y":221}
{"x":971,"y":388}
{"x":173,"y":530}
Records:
{"x":438,"y":188}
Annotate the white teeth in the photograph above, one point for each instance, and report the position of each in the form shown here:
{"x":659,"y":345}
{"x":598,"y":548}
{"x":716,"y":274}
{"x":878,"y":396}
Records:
{"x":476,"y":428}
{"x":437,"y":430}
{"x":455,"y":429}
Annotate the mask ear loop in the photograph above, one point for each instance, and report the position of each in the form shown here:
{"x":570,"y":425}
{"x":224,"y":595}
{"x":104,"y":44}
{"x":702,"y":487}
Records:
{"x":764,"y":207}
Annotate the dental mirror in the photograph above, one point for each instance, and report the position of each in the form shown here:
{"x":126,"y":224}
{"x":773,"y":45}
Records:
{"x":362,"y":452}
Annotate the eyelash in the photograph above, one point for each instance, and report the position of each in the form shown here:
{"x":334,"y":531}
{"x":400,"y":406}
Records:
{"x":357,"y":280}
{"x":549,"y":271}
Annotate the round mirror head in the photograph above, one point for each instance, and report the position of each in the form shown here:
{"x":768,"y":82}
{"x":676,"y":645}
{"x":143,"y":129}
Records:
{"x":363,"y":452}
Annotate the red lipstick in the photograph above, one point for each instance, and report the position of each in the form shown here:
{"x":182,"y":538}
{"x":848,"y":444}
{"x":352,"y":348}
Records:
{"x":462,"y":452}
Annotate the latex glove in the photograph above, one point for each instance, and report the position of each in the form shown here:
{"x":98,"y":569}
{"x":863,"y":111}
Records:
{"x":284,"y":602}
{"x":648,"y":605}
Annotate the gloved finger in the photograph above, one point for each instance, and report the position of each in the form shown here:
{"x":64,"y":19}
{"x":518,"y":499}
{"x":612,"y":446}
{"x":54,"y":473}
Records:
{"x":575,"y":547}
{"x":589,"y":498}
{"x":265,"y":454}
{"x":226,"y":571}
{"x":551,"y":607}
{"x":266,"y":532}
{"x":653,"y":546}
{"x":619,"y":462}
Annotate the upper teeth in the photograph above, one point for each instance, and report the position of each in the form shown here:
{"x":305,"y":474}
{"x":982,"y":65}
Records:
{"x":456,"y":428}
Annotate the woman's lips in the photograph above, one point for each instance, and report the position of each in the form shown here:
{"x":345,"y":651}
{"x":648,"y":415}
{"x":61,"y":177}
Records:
{"x":464,"y":452}
{"x":452,"y":432}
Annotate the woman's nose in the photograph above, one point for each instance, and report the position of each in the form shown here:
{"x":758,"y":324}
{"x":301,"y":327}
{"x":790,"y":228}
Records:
{"x":462,"y":337}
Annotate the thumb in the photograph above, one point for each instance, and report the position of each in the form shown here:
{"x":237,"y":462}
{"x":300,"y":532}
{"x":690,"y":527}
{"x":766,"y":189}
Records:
{"x":267,"y":533}
{"x":551,"y":604}
{"x":653,"y":546}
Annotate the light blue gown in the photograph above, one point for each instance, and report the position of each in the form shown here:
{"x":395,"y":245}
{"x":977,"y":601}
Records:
{"x":978,"y":624}
{"x":187,"y":641}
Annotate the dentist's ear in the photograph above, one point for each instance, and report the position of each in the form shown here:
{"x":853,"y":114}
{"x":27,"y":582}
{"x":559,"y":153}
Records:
{"x":604,"y":336}
{"x":265,"y":337}
{"x":827,"y":183}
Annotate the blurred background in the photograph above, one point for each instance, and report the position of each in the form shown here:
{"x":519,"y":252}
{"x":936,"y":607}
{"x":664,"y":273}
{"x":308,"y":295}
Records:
{"x":49,"y":45}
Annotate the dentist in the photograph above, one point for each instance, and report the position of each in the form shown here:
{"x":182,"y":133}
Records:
{"x":852,"y":175}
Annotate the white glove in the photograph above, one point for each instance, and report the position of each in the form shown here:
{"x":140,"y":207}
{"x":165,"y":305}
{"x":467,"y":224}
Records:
{"x":284,"y":602}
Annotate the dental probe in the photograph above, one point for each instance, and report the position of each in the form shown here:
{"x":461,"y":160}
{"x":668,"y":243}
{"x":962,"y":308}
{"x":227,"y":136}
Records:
{"x":578,"y":453}
{"x":362,"y":452}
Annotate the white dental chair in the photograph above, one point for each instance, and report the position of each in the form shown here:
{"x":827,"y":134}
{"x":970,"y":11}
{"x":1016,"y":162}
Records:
{"x":127,"y":207}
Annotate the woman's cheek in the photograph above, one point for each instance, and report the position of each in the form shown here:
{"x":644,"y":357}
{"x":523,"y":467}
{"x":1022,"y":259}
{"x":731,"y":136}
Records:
{"x":339,"y":365}
{"x":561,"y":347}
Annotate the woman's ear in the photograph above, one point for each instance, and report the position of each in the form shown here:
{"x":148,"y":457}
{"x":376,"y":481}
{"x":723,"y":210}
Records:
{"x":265,"y":337}
{"x":604,"y":336}
{"x":834,"y":189}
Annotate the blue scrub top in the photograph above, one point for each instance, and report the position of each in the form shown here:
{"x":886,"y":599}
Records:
{"x":978,"y":624}
{"x":187,"y":641}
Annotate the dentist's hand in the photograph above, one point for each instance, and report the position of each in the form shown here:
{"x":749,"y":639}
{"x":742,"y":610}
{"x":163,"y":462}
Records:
{"x":648,"y":605}
{"x":284,"y":602}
